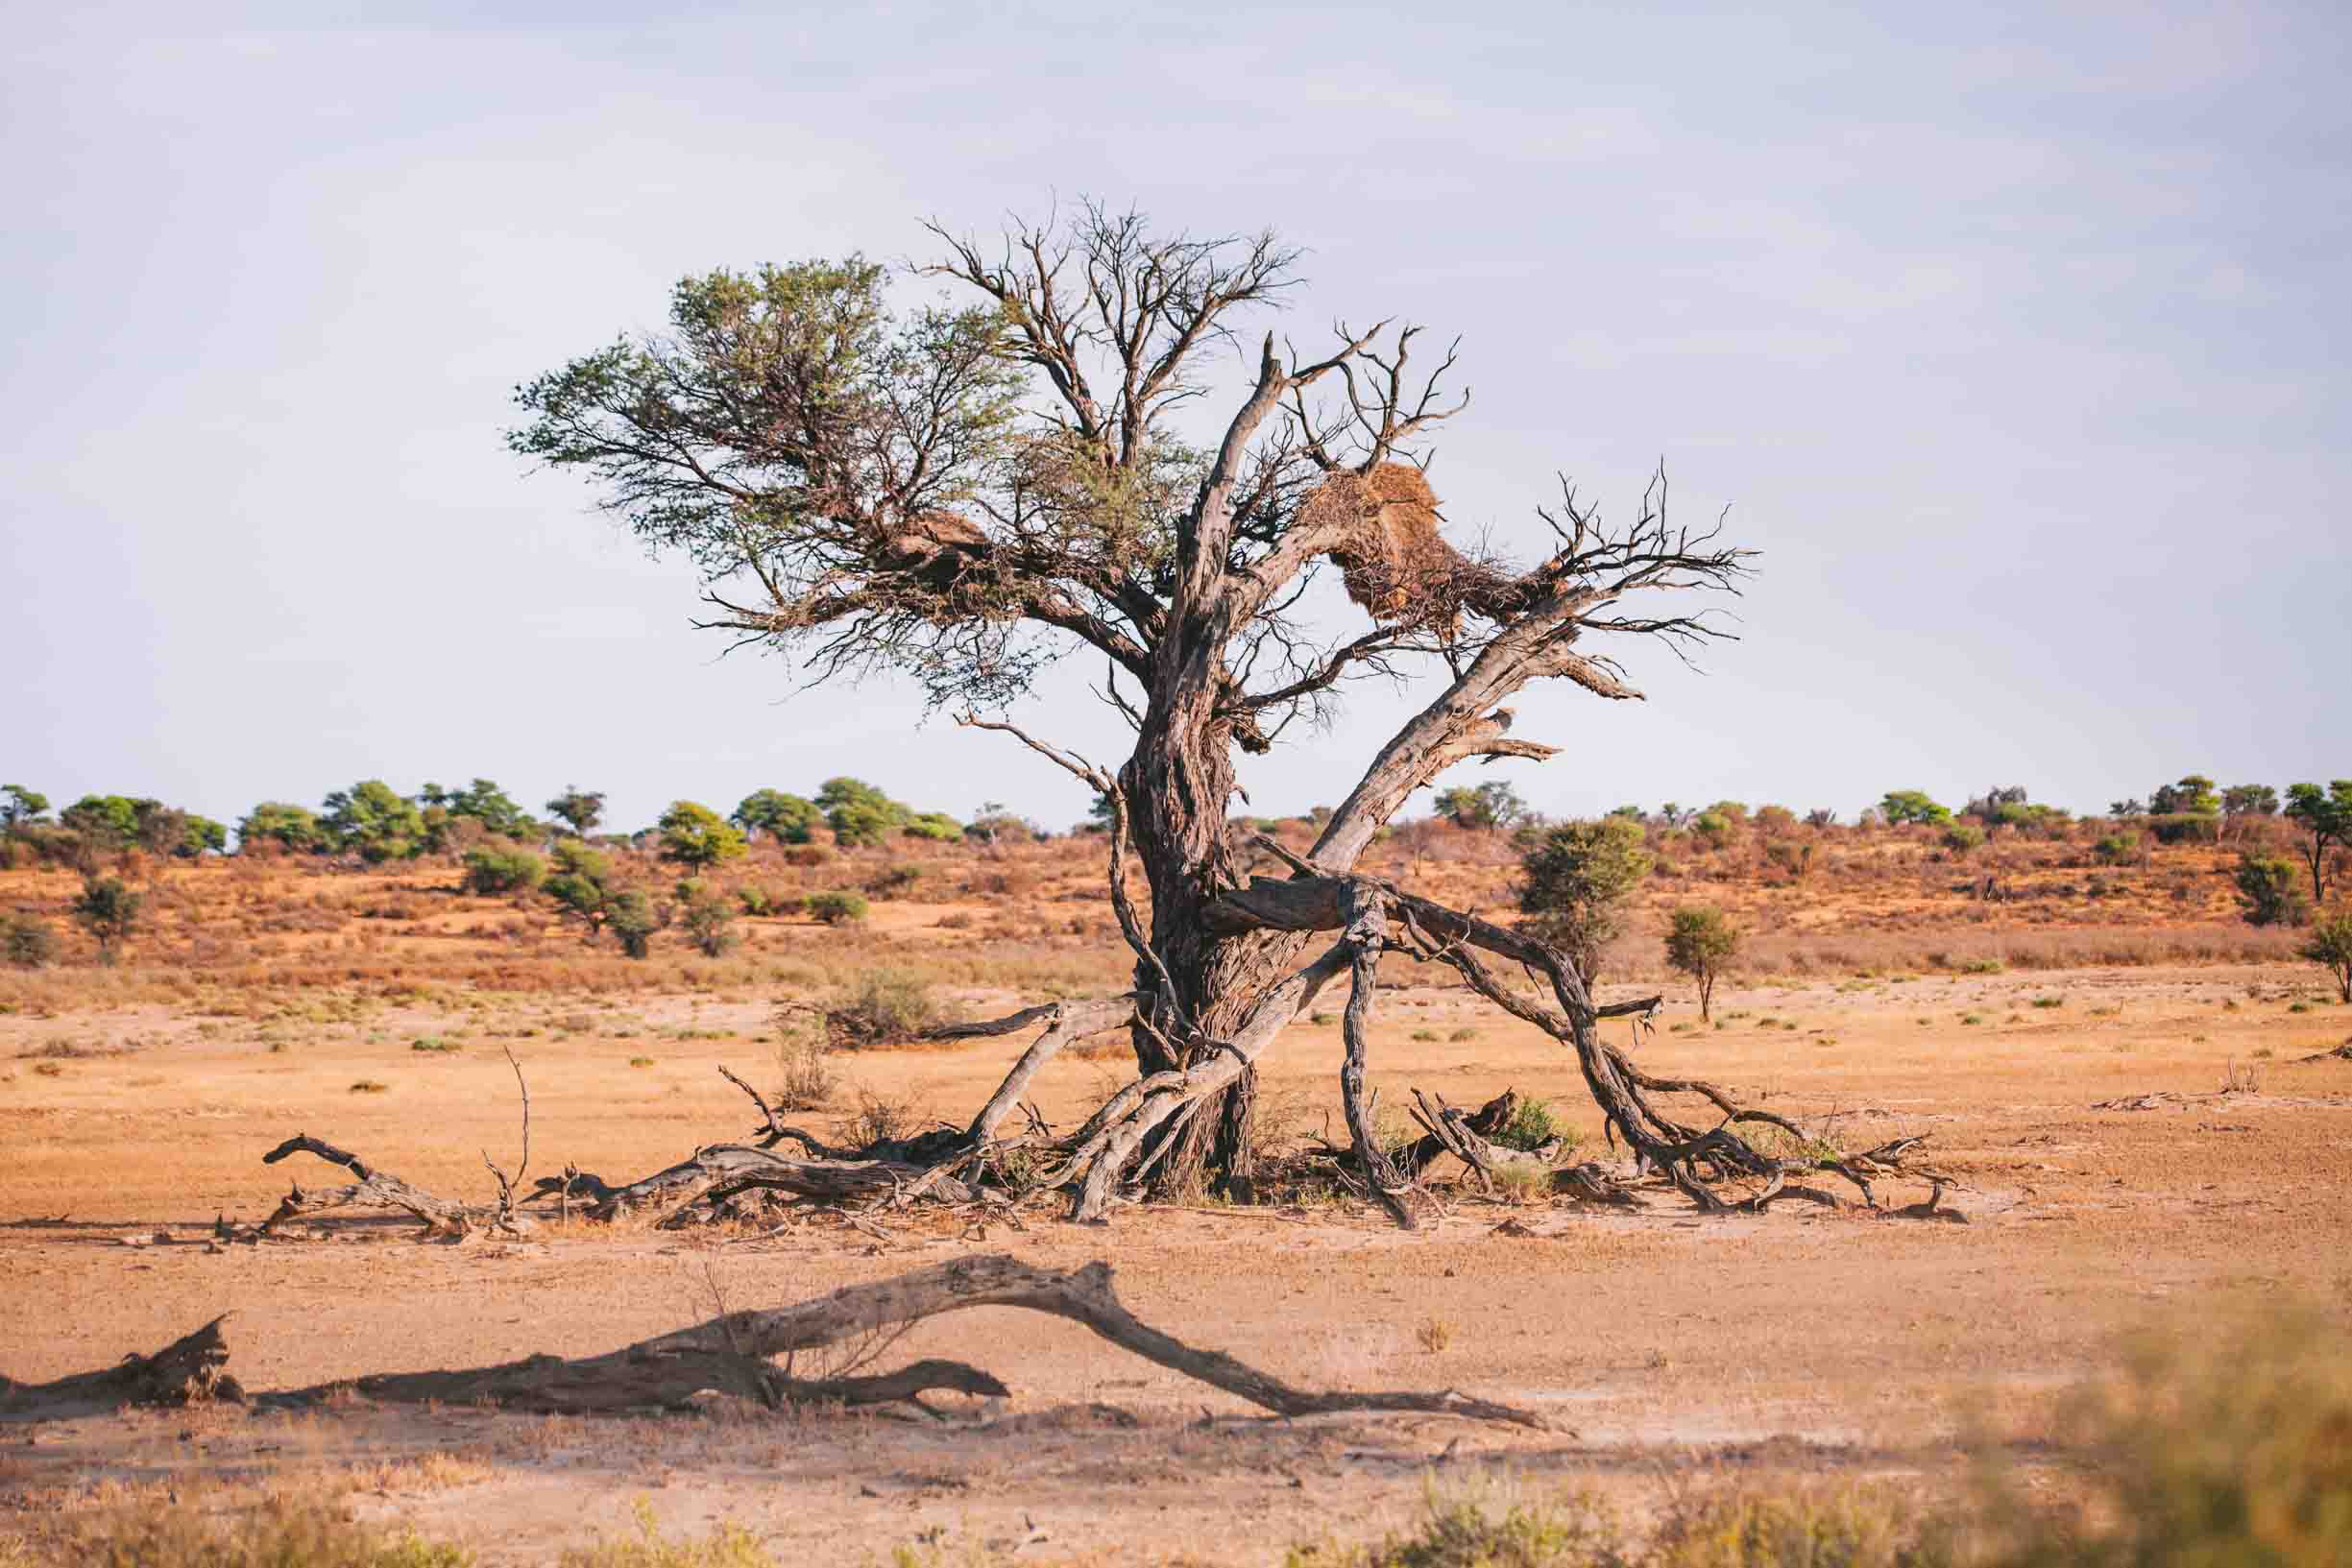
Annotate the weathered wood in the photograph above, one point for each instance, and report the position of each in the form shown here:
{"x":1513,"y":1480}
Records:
{"x":1367,"y":934}
{"x":375,"y":1188}
{"x":1065,"y":1021}
{"x":732,"y":1354}
{"x":188,"y":1371}
{"x":722,"y":1169}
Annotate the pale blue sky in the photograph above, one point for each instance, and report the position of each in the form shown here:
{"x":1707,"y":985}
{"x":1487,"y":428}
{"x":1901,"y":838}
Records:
{"x":2016,"y":337}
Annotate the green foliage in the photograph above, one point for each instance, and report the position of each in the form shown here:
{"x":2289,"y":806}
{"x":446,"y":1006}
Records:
{"x":20,"y":807}
{"x":1960,"y":838}
{"x":777,"y":412}
{"x":2186,"y":828}
{"x":692,"y":835}
{"x":2325,"y":817}
{"x":787,"y":819}
{"x":280,"y":823}
{"x":106,"y":822}
{"x":1491,"y":805}
{"x":879,"y":1007}
{"x":482,"y":801}
{"x":28,"y":941}
{"x":1575,"y":882}
{"x":2194,"y":795}
{"x":2115,"y":848}
{"x":491,"y":872}
{"x":1913,"y":805}
{"x":2249,"y":801}
{"x":937,"y":826}
{"x":370,"y":818}
{"x":896,"y":881}
{"x":633,"y":918}
{"x":2331,"y":947}
{"x":2269,"y":891}
{"x":1713,"y":828}
{"x":838,"y":908}
{"x":108,"y":910}
{"x":709,"y":919}
{"x":1699,"y":943}
{"x":581,"y":809}
{"x":857,"y":813}
{"x":582,"y":885}
{"x":766,"y":900}
{"x":1532,"y":1126}
{"x":200,"y":836}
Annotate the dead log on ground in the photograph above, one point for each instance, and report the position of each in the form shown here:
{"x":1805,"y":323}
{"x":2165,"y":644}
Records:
{"x":187,"y":1371}
{"x":732,"y":1354}
{"x":375,"y":1189}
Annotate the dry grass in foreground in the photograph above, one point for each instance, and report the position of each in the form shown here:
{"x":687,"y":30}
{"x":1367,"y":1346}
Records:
{"x":2227,"y":1452}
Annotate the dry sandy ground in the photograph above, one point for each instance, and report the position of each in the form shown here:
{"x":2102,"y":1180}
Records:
{"x":1844,"y":1342}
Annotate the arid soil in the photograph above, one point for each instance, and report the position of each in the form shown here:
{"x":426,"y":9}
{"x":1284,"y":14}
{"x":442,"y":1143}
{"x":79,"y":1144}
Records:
{"x":1661,"y":1343}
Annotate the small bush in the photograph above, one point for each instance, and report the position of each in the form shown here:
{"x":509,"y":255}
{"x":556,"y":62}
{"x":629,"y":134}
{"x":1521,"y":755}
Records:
{"x":1961,"y":837}
{"x":2271,"y":891}
{"x":726,"y":1546}
{"x":838,"y":908}
{"x":881,"y":1007}
{"x":709,"y":920}
{"x":895,"y":882}
{"x":1531,"y":1125}
{"x":491,"y":872}
{"x":803,"y":1073}
{"x":2331,"y":947}
{"x":2186,"y":828}
{"x":284,"y":1532}
{"x":759,"y":902}
{"x":436,"y":1044}
{"x":108,"y":910}
{"x":28,"y":941}
{"x":2115,"y":849}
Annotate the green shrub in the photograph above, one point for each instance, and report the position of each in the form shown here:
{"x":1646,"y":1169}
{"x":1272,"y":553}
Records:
{"x":757,"y":901}
{"x":2186,"y":828}
{"x":789,"y":819}
{"x":2270,"y":890}
{"x":838,"y":908}
{"x":1960,"y":838}
{"x":634,"y":918}
{"x":108,"y":910}
{"x":28,"y":941}
{"x":1900,"y":805}
{"x":937,"y":826}
{"x":2115,"y":848}
{"x":1531,"y":1125}
{"x":491,"y":872}
{"x":879,"y":1008}
{"x":895,"y":882}
{"x":709,"y":920}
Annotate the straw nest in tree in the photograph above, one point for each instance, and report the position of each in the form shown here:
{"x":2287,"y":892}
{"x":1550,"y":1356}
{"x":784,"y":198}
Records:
{"x":1393,"y":561}
{"x":932,"y":548}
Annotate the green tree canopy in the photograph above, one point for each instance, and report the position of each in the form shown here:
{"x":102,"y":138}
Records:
{"x":2325,"y":817}
{"x":1913,"y":805}
{"x":280,"y":823}
{"x":1699,"y":943}
{"x":857,"y":813}
{"x":789,"y":819}
{"x":368,"y":817}
{"x":20,"y":807}
{"x":1576,"y":882}
{"x":692,"y":835}
{"x":581,"y":809}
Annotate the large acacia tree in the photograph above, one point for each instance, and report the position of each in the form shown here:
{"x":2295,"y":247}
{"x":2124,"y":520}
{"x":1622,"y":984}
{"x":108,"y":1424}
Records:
{"x":970,"y":490}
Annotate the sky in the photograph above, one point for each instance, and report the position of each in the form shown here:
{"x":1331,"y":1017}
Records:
{"x":2014,"y":338}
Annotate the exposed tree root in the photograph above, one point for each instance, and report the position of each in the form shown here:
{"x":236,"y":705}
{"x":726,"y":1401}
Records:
{"x":731,"y":1355}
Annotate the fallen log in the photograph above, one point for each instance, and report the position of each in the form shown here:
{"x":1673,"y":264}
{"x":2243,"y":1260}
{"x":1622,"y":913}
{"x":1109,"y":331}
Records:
{"x":375,"y":1189}
{"x":188,"y":1371}
{"x":732,"y":1354}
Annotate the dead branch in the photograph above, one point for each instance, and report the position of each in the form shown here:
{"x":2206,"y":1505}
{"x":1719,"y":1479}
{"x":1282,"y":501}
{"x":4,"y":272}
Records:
{"x":375,"y":1189}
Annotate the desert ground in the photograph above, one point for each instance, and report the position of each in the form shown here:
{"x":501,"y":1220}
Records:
{"x":2140,"y":1102}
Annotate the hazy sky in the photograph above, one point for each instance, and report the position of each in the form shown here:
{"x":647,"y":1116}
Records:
{"x":2016,"y":338}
